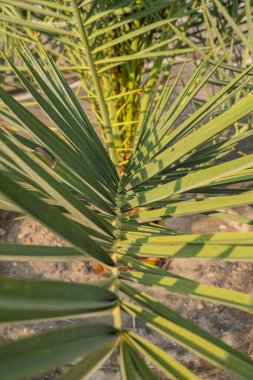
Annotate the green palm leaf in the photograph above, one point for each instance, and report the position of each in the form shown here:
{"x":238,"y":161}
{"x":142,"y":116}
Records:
{"x":51,"y":349}
{"x":187,"y":334}
{"x":65,"y":178}
{"x":23,"y":300}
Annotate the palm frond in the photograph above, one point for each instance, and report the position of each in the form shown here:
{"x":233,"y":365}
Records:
{"x":65,"y":178}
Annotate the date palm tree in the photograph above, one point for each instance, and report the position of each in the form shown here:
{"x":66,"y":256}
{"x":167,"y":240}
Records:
{"x":68,"y":180}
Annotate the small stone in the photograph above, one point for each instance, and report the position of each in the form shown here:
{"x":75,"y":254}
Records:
{"x":2,"y":232}
{"x":200,"y":306}
{"x":229,"y":338}
{"x":210,"y":275}
{"x":193,"y":314}
{"x":14,"y":264}
{"x":223,"y":227}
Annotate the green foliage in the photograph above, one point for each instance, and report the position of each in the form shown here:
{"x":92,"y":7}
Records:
{"x":64,"y":177}
{"x":116,"y":48}
{"x":165,"y":154}
{"x":121,"y":49}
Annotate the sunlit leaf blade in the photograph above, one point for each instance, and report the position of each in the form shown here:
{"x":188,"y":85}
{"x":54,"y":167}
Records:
{"x":152,"y":145}
{"x":195,"y":207}
{"x":233,"y":25}
{"x":225,"y":238}
{"x":160,"y":358}
{"x":235,"y":246}
{"x":178,"y":328}
{"x":193,"y":180}
{"x":38,"y":26}
{"x":133,"y":367}
{"x":194,"y":289}
{"x":198,"y":251}
{"x":38,"y":10}
{"x":198,"y":137}
{"x":176,"y":109}
{"x":5,"y":204}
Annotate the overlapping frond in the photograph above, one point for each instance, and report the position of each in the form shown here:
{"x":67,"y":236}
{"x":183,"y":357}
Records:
{"x":99,"y":41}
{"x":64,"y":177}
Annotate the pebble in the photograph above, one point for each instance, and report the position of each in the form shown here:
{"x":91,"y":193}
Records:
{"x":2,"y":232}
{"x":23,"y":235}
{"x":102,"y":375}
{"x":223,"y":227}
{"x":193,"y":314}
